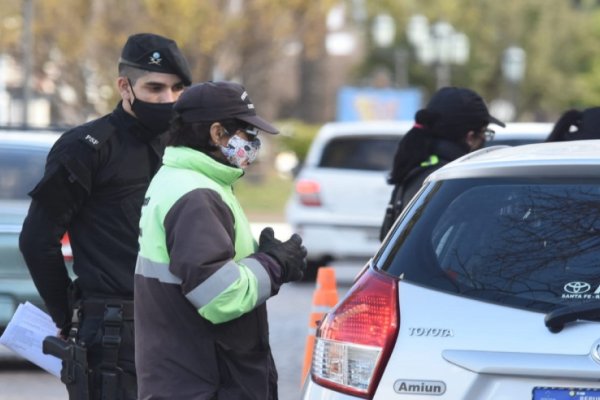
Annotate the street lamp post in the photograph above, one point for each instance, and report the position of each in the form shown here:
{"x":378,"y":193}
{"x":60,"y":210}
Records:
{"x":438,"y":45}
{"x":384,"y":34}
{"x":27,"y":59}
{"x":513,"y":70}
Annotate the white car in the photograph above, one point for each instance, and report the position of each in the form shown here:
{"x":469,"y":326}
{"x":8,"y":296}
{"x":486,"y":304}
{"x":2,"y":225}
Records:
{"x":487,"y":287}
{"x":518,"y":133}
{"x":341,"y":191}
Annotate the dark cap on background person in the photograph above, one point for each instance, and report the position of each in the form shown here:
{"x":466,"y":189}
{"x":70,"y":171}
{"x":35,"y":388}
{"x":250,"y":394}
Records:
{"x":455,"y":106}
{"x":155,"y":53}
{"x":219,"y":101}
{"x":576,"y":125}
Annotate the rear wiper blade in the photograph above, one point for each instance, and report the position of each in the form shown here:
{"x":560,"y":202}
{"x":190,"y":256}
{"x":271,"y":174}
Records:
{"x":555,"y":320}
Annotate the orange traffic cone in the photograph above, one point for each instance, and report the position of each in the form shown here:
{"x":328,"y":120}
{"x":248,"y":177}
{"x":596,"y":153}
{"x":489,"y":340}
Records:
{"x":324,"y":298}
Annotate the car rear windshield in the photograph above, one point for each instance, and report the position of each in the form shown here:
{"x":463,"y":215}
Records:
{"x":526,"y":243}
{"x":373,"y":152}
{"x":20,"y":171}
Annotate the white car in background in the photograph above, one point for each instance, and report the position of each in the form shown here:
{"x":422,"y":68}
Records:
{"x":341,"y":190}
{"x":519,"y":133}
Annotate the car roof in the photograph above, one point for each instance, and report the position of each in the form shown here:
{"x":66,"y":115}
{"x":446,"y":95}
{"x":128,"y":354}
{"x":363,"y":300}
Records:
{"x":373,"y":126}
{"x":523,"y":130}
{"x":529,"y":130}
{"x":28,"y":137}
{"x":578,"y":158}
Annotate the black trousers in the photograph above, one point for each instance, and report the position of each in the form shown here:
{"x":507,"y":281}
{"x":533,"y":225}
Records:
{"x":90,"y":335}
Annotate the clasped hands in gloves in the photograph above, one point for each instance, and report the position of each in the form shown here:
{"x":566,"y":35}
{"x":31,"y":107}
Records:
{"x":290,"y":255}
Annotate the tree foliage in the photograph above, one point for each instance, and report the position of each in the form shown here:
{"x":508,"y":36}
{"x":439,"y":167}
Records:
{"x":560,"y":39}
{"x":77,"y":45}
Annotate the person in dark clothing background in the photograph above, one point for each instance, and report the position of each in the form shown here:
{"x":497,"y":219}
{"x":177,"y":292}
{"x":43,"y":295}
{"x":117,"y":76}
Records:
{"x":576,"y":125}
{"x":454,"y":123}
{"x":93,"y":187}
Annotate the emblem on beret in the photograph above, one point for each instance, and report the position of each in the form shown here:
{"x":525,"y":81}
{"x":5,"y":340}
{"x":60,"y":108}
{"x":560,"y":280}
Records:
{"x":155,"y":59}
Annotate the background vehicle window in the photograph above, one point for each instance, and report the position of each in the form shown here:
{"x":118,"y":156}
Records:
{"x":373,"y":153}
{"x":518,"y":243}
{"x":20,"y":171}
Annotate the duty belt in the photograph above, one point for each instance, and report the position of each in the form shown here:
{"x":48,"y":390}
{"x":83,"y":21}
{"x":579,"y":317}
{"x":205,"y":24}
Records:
{"x":100,"y":308}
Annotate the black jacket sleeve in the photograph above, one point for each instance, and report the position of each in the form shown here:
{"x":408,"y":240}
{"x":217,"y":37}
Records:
{"x":56,"y":201}
{"x":40,"y":244}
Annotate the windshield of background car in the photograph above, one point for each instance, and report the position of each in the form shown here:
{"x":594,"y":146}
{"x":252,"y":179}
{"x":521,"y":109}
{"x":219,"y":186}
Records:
{"x":371,"y":153}
{"x":526,"y":243}
{"x":20,"y":171}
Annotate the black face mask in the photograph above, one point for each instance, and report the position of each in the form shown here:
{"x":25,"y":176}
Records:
{"x":154,"y":117}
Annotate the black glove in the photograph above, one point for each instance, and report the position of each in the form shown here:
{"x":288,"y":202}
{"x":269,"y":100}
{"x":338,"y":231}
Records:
{"x":290,"y":255}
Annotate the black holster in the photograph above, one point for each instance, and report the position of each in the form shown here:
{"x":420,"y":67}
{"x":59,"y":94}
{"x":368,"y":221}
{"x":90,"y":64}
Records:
{"x":113,"y":312}
{"x":101,"y":381}
{"x":74,"y":373}
{"x":111,"y":341}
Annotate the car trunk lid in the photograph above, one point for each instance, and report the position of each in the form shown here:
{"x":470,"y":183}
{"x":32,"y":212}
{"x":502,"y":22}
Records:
{"x":489,"y":350}
{"x":343,"y":193}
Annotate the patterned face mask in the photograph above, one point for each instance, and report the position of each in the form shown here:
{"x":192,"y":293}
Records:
{"x":240,"y":152}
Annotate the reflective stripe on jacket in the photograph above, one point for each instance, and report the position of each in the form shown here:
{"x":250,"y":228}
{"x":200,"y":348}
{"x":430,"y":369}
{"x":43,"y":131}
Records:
{"x":239,"y":284}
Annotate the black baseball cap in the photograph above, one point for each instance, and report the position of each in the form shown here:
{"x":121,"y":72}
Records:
{"x":455,"y":103}
{"x":219,"y":101}
{"x":155,"y":53}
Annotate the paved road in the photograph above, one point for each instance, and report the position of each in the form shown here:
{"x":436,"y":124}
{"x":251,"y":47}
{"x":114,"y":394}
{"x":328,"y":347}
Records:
{"x":288,"y":317}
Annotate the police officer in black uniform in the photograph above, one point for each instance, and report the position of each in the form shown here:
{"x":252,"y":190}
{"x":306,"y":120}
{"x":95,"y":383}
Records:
{"x":93,"y":188}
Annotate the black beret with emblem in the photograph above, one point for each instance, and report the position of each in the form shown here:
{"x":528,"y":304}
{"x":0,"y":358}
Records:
{"x":155,"y":53}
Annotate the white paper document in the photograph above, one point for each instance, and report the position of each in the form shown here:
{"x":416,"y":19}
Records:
{"x":26,"y":332}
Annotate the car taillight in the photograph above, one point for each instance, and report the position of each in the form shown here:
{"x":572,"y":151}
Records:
{"x":66,"y":247}
{"x":309,"y":192}
{"x":354,"y":341}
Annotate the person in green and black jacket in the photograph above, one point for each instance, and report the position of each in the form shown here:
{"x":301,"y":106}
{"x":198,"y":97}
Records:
{"x":201,"y":279}
{"x":454,"y":123}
